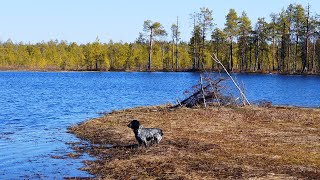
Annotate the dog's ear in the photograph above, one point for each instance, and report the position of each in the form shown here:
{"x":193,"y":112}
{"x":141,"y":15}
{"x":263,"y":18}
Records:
{"x":130,"y":125}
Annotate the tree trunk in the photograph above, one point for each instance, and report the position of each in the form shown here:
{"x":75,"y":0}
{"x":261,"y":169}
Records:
{"x":150,"y":51}
{"x":203,"y":46}
{"x":305,"y":59}
{"x":242,"y":59}
{"x":217,"y":52}
{"x":246,"y":58}
{"x":231,"y":52}
{"x":162,"y":55}
{"x":273,"y":52}
{"x":177,"y":63}
{"x":278,"y":56}
{"x":97,"y":66}
{"x":172,"y":60}
{"x":198,"y":56}
{"x":296,"y":55}
{"x":250,"y":57}
{"x":289,"y":58}
{"x":257,"y":64}
{"x":194,"y":44}
{"x":314,"y":57}
{"x":194,"y":55}
{"x":177,"y":53}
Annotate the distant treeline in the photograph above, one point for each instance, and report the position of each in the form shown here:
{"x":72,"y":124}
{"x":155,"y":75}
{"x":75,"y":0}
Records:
{"x":289,"y":43}
{"x":56,"y":55}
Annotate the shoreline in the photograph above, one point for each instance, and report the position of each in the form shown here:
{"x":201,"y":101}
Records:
{"x":187,"y":70}
{"x":217,"y":142}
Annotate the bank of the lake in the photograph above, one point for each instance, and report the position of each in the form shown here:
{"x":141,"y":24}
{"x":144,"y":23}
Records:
{"x":213,"y":143}
{"x":187,"y":70}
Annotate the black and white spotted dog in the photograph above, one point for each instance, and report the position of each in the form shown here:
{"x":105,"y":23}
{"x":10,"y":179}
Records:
{"x":145,"y":136}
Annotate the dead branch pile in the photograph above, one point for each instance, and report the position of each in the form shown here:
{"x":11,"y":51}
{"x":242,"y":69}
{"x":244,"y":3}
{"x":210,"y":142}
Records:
{"x":212,"y":91}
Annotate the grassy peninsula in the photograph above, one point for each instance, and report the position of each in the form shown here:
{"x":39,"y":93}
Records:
{"x":212,"y":143}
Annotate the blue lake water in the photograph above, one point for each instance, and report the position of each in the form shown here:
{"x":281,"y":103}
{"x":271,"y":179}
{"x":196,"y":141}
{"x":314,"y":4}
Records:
{"x":37,"y":107}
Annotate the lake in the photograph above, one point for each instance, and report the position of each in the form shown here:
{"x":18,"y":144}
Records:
{"x":37,"y":107}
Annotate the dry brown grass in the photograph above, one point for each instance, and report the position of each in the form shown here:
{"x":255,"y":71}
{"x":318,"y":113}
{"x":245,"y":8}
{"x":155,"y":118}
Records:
{"x":213,"y":143}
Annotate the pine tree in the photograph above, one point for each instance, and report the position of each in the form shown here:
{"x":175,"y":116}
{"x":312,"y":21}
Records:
{"x":231,"y":29}
{"x":155,"y":29}
{"x":299,"y":21}
{"x":194,"y":48}
{"x":175,"y":40}
{"x":218,"y":38}
{"x":243,"y":42}
{"x":205,"y":22}
{"x":274,"y":37}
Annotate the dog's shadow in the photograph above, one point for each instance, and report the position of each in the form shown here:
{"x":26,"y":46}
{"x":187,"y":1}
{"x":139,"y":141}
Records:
{"x":129,"y":146}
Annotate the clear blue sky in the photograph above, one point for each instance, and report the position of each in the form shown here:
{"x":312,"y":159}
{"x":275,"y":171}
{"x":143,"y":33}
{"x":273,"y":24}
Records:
{"x":82,"y":21}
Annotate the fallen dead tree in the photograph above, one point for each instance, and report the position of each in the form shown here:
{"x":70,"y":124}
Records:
{"x":202,"y":95}
{"x":212,"y":90}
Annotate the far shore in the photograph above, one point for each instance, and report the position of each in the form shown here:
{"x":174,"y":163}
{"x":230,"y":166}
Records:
{"x":185,"y":70}
{"x":205,"y":143}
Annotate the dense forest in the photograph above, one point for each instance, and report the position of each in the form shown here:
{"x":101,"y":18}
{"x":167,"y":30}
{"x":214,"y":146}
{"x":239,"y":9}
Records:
{"x":289,"y":43}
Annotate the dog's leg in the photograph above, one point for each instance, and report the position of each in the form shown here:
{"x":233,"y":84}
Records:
{"x":145,"y":142}
{"x":158,"y":138}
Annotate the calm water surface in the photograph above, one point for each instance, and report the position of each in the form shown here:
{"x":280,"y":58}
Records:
{"x":36,"y":108}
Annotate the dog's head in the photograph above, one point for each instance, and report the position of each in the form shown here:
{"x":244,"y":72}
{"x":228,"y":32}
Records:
{"x":134,"y":124}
